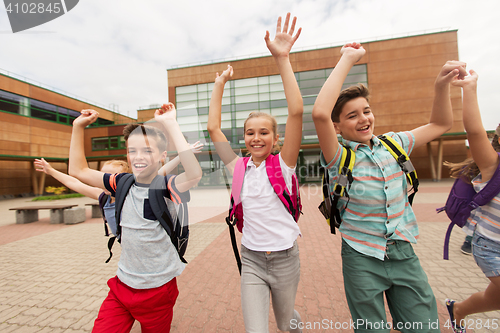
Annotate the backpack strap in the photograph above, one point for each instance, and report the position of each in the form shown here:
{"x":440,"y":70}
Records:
{"x":341,"y":186}
{"x":103,"y":198}
{"x":157,"y":189}
{"x":328,"y":206}
{"x":489,"y":191}
{"x":403,"y":160}
{"x":122,"y":188}
{"x":291,"y":201}
{"x":235,"y":210}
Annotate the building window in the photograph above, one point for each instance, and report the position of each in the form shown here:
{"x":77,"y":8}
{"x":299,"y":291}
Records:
{"x":108,"y":143}
{"x":29,"y":107}
{"x":241,"y":97}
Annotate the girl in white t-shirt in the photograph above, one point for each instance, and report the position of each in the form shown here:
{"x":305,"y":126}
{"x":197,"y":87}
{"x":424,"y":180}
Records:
{"x":270,"y":256}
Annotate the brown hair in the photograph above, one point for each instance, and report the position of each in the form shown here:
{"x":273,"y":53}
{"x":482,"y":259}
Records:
{"x":274,"y":124}
{"x":468,"y":169}
{"x":359,"y":90}
{"x":123,"y":165}
{"x":151,"y":132}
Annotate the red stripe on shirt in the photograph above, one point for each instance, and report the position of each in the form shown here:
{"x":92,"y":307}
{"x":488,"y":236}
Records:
{"x":173,"y":195}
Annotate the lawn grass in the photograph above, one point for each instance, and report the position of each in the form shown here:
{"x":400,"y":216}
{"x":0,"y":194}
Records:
{"x":58,"y":197}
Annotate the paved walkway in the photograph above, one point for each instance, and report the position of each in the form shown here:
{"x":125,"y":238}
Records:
{"x":53,"y":277}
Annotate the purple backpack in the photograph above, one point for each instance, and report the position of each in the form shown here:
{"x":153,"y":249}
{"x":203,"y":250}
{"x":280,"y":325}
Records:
{"x":463,"y":199}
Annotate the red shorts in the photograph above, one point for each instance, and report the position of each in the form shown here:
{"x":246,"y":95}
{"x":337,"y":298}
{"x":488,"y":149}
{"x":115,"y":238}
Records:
{"x":153,"y":308}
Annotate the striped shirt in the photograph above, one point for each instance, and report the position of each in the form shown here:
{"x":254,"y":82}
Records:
{"x":485,"y":220}
{"x":378,"y":208}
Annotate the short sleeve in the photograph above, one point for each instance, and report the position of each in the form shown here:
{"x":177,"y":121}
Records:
{"x":405,"y":139}
{"x":334,"y":161}
{"x":173,"y":193}
{"x":287,"y":173}
{"x":111,"y":180}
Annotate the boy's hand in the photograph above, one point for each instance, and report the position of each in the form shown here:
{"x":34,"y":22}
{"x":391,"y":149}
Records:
{"x":86,"y":118}
{"x":353,"y":50}
{"x":196,"y":147}
{"x":225,"y":76}
{"x":167,"y":112}
{"x":42,"y":165}
{"x":284,"y":40}
{"x":451,"y":71}
{"x":468,"y":81}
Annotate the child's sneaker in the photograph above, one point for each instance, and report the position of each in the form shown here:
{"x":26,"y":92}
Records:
{"x":455,"y":328}
{"x":466,"y":247}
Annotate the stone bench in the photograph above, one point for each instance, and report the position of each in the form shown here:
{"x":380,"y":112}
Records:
{"x":96,"y":210}
{"x":74,"y":215}
{"x":28,"y":214}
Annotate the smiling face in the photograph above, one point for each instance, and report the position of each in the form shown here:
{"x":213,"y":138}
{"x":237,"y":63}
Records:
{"x":144,"y":157}
{"x":356,"y":121}
{"x":259,"y":138}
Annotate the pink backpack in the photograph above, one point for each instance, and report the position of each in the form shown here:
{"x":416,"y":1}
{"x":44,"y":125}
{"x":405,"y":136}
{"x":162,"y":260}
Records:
{"x":291,"y":201}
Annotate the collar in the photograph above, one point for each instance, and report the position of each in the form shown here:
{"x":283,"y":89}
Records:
{"x":355,"y":145}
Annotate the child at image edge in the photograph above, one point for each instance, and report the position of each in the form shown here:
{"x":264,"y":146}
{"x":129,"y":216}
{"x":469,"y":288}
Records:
{"x":269,"y":251}
{"x":484,"y":221}
{"x":145,"y":287}
{"x":378,"y":224}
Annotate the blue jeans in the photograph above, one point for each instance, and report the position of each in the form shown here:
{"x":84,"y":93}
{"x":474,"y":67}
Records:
{"x":487,"y":255}
{"x":265,"y":275}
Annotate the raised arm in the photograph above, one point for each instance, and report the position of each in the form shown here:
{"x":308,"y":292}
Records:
{"x":441,"y":118}
{"x":70,"y":182}
{"x":192,"y":170}
{"x":78,"y":166}
{"x":327,"y":97}
{"x":481,"y":150}
{"x":168,"y":167}
{"x":221,"y":144}
{"x":280,"y":49}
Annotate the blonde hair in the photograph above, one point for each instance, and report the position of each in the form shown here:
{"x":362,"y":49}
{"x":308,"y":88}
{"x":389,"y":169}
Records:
{"x":468,"y":169}
{"x":274,"y":124}
{"x":123,"y":165}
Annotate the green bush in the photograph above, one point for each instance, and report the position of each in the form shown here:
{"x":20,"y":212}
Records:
{"x":58,"y":197}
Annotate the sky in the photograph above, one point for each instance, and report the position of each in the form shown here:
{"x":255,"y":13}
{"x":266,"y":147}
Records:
{"x":116,"y":53}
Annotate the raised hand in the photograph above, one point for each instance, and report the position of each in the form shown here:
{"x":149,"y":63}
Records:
{"x":468,"y":81}
{"x":353,"y":50}
{"x":167,"y":112}
{"x":284,"y":40}
{"x":225,"y":76}
{"x":451,"y":71}
{"x":42,"y":165}
{"x":86,"y":118}
{"x":196,"y":147}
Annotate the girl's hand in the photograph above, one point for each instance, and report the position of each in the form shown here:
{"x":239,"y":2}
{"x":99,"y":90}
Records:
{"x":43,"y":166}
{"x":225,"y":76}
{"x":284,"y":40}
{"x":196,"y":147}
{"x":468,"y":81}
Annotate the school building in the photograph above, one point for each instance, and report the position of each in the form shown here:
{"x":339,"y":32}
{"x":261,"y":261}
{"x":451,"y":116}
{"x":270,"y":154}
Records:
{"x":400,"y":72}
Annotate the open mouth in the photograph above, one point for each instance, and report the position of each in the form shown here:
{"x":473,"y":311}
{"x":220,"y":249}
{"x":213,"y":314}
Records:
{"x":364,"y":128}
{"x":140,"y":166}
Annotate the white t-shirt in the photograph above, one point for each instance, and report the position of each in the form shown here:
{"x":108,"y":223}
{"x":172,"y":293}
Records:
{"x":267,"y":224}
